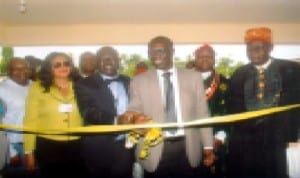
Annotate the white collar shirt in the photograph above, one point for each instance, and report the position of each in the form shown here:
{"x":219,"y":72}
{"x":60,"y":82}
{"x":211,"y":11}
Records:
{"x":265,"y":65}
{"x":119,"y":93}
{"x":14,"y":97}
{"x":174,"y":81}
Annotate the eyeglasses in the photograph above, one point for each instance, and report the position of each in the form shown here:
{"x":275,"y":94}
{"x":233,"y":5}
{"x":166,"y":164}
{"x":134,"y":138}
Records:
{"x":157,"y":51}
{"x":60,"y":64}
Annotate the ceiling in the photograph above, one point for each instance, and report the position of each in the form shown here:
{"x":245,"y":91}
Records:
{"x":149,"y":11}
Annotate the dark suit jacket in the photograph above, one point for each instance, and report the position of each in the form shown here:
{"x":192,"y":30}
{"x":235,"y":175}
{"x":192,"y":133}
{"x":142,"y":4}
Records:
{"x":257,"y":147}
{"x":96,"y":105}
{"x":95,"y":99}
{"x":218,"y":101}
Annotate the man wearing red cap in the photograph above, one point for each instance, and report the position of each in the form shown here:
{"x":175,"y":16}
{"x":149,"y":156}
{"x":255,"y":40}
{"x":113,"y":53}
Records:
{"x":216,"y":90}
{"x":257,"y":147}
{"x":140,"y":67}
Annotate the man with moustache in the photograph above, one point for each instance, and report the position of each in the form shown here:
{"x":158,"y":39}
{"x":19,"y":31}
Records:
{"x":101,"y":98}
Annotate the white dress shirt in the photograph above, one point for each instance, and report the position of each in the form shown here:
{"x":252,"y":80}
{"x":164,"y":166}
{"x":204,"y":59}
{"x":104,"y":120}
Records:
{"x":119,"y":93}
{"x":14,"y":96}
{"x":265,"y":65}
{"x":205,"y":75}
{"x":174,"y":81}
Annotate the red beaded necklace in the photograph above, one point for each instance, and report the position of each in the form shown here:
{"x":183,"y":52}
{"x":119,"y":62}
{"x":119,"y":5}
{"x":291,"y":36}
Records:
{"x":212,"y":85}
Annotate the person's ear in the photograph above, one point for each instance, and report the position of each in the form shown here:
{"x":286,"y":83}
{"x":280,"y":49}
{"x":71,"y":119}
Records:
{"x":119,"y":62}
{"x":270,"y":47}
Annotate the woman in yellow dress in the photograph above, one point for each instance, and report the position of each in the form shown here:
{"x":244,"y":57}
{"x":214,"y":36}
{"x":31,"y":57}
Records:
{"x":51,"y":105}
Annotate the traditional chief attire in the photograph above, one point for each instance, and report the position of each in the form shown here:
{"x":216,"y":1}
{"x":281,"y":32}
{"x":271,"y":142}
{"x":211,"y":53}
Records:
{"x":216,"y":90}
{"x":258,"y":147}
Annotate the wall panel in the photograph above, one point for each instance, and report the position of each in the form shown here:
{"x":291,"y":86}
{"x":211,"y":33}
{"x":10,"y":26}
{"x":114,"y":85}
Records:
{"x":93,"y":34}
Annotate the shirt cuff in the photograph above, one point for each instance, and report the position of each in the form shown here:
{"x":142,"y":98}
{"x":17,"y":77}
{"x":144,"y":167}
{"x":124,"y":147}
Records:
{"x":208,"y":148}
{"x":12,"y":151}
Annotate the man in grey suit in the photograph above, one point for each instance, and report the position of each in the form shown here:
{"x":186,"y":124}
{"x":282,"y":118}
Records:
{"x":170,"y":94}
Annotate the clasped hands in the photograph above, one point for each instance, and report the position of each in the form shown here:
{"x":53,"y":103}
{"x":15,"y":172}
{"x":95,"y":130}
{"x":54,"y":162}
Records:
{"x":209,"y":157}
{"x":132,"y":117}
{"x":30,"y":164}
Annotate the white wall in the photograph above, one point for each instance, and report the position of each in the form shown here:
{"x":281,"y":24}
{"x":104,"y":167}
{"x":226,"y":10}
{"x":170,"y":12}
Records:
{"x":93,"y":34}
{"x":1,"y":34}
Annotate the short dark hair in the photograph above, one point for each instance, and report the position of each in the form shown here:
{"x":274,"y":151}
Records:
{"x":106,"y":48}
{"x":33,"y":61}
{"x":84,"y":54}
{"x":165,"y":39}
{"x":10,"y":62}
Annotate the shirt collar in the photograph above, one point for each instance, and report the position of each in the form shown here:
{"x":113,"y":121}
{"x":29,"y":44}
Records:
{"x":205,"y":75}
{"x":265,"y":65}
{"x":12,"y":82}
{"x":171,"y":70}
{"x":105,"y":77}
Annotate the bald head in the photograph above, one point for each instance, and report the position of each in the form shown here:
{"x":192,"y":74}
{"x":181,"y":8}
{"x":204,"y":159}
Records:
{"x":18,"y":70}
{"x":108,"y":60}
{"x":87,"y":63}
{"x":204,"y":58}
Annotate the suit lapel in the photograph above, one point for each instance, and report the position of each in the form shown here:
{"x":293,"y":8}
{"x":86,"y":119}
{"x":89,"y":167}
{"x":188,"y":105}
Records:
{"x":98,"y":80}
{"x":155,"y":95}
{"x":102,"y":88}
{"x":182,"y":95}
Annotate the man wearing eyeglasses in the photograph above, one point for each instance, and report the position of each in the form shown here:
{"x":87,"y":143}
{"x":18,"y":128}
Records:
{"x":169,"y":94}
{"x":101,"y":98}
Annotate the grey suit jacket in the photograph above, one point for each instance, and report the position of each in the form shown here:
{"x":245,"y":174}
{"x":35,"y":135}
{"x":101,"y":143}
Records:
{"x":145,"y":97}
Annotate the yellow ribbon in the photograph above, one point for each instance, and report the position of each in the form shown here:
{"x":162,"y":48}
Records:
{"x":154,"y":134}
{"x":124,"y":128}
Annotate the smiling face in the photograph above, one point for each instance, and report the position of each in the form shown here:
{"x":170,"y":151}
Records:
{"x":259,"y":52}
{"x":18,"y":71}
{"x":108,"y":61}
{"x":205,"y":60}
{"x":161,"y":54}
{"x":61,"y":67}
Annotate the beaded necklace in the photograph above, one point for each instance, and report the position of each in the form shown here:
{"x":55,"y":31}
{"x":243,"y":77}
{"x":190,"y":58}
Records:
{"x":211,"y":85}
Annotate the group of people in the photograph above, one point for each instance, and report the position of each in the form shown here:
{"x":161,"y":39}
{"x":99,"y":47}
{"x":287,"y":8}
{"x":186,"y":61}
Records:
{"x":60,"y":98}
